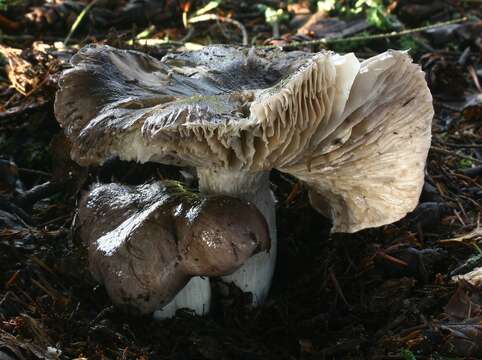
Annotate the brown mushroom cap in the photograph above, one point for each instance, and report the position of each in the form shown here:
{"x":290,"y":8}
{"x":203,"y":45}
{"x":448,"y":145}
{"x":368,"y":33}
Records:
{"x":146,"y":242}
{"x":357,"y":133}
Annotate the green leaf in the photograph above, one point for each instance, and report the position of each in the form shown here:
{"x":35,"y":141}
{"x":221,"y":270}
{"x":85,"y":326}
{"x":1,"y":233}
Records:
{"x":408,"y":42}
{"x":466,"y":163}
{"x":377,"y":17}
{"x":407,"y":355}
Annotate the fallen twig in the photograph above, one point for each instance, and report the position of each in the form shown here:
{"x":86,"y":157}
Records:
{"x":466,"y":239}
{"x":39,"y":192}
{"x":447,"y":152}
{"x":214,"y":17}
{"x":467,"y":146}
{"x":33,"y":172}
{"x":473,"y":172}
{"x":366,"y":37}
{"x":338,"y":287}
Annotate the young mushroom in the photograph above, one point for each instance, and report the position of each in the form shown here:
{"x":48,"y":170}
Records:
{"x":357,"y":133}
{"x":146,"y":242}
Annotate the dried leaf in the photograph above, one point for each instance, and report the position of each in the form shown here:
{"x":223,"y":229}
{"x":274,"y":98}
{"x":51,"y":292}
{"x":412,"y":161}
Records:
{"x":464,"y":304}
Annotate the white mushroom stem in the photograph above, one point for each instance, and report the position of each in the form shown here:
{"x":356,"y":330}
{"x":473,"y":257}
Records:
{"x":257,"y":272}
{"x":195,"y":296}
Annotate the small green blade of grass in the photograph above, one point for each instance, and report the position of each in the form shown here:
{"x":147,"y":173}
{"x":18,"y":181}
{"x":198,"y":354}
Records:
{"x":79,"y":19}
{"x":146,"y":32}
{"x":208,"y":7}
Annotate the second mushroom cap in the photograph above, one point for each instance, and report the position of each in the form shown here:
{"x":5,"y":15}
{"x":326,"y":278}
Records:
{"x":146,"y":242}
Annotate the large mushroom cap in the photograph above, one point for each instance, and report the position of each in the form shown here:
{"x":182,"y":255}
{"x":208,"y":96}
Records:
{"x":357,"y":133}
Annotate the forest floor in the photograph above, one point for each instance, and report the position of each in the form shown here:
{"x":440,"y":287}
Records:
{"x":385,"y":293}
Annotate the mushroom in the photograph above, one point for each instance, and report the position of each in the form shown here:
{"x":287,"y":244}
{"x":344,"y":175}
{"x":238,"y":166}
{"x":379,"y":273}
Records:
{"x":146,"y":242}
{"x":356,"y":133}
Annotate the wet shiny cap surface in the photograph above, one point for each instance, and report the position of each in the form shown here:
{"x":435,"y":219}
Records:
{"x":145,"y":242}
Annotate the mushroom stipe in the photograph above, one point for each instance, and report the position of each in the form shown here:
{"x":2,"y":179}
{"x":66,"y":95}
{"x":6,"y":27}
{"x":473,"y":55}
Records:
{"x":355,"y":133}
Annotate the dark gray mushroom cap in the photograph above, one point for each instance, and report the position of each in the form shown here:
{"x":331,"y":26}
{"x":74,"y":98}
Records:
{"x":190,"y":108}
{"x":146,"y":242}
{"x":356,"y":133}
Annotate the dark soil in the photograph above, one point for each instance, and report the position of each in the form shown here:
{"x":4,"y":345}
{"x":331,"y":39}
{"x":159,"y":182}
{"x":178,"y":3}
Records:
{"x":384,"y":293}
